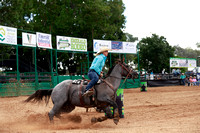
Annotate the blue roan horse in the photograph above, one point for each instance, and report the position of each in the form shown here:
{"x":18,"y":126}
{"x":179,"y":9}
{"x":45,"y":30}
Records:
{"x":65,"y":96}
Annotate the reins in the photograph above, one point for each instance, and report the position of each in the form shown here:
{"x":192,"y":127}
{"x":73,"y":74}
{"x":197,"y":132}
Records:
{"x":122,"y":73}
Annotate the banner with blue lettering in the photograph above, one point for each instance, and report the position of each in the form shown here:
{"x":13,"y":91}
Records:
{"x":115,"y":46}
{"x":43,"y":40}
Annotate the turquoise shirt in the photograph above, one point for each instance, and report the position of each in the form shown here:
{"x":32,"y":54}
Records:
{"x":98,"y":63}
{"x":182,"y":76}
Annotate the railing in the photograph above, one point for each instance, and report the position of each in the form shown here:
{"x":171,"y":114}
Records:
{"x":158,"y":76}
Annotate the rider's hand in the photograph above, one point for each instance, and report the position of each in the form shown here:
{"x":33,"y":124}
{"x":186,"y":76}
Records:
{"x":101,"y":74}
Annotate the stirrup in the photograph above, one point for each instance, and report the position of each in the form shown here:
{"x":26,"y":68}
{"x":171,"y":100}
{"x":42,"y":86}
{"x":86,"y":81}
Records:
{"x":88,"y":93}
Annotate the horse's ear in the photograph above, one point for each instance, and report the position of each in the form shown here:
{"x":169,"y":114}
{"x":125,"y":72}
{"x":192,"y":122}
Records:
{"x":117,"y":61}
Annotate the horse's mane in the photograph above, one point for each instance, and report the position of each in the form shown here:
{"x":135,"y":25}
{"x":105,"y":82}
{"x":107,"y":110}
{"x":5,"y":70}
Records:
{"x":110,"y":69}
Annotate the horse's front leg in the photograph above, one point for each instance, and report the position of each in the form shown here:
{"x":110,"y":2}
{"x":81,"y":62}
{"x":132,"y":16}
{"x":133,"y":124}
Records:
{"x":99,"y":119}
{"x":115,"y":111}
{"x":108,"y":113}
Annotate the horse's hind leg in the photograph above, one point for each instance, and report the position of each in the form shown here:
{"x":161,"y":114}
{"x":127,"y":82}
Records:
{"x":55,"y":111}
{"x":67,"y":108}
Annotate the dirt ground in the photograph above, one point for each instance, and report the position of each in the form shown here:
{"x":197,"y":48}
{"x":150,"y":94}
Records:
{"x":173,"y":109}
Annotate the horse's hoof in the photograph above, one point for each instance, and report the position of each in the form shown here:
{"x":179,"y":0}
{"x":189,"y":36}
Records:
{"x":93,"y":120}
{"x":116,"y":120}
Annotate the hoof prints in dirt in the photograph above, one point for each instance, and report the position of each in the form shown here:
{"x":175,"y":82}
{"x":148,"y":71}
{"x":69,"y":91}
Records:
{"x":72,"y":118}
{"x":41,"y":118}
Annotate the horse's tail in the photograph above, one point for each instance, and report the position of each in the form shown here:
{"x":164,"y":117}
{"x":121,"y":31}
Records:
{"x":38,"y":96}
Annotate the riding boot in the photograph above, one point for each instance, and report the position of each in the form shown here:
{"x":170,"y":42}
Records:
{"x":88,"y":92}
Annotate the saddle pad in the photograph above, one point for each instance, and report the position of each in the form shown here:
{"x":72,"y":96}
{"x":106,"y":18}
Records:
{"x":78,"y":82}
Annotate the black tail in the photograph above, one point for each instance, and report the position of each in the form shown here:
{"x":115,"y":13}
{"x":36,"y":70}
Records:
{"x":38,"y":96}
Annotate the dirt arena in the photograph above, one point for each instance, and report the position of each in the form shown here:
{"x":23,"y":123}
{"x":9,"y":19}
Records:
{"x":159,"y":110}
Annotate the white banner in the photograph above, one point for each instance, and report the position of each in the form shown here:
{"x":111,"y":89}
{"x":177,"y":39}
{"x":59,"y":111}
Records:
{"x":115,"y":46}
{"x":8,"y":35}
{"x":63,"y":43}
{"x":192,"y":63}
{"x":43,"y":40}
{"x":71,"y":43}
{"x":130,"y":47}
{"x":182,"y":62}
{"x":28,"y":39}
{"x":97,"y":44}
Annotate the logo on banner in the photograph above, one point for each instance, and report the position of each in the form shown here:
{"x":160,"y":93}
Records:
{"x":97,"y":45}
{"x":116,"y":45}
{"x":174,"y":63}
{"x":29,"y":38}
{"x":64,"y":43}
{"x":2,"y":34}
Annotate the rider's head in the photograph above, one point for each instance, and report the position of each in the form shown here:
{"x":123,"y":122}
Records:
{"x":103,"y":50}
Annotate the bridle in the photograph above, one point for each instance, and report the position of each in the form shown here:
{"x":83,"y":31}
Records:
{"x":124,"y":68}
{"x":129,"y":72}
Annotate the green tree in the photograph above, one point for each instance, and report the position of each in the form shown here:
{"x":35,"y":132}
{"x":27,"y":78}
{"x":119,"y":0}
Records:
{"x":90,"y":19}
{"x":186,"y":52}
{"x":155,"y":52}
{"x":130,"y":38}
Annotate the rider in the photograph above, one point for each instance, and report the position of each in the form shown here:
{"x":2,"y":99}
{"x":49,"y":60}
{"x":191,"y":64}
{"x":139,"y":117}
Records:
{"x":96,"y":68}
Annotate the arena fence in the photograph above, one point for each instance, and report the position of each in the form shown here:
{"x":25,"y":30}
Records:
{"x":29,"y":76}
{"x":27,"y":84}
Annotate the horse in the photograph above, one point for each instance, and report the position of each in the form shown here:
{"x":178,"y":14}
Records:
{"x":66,"y":96}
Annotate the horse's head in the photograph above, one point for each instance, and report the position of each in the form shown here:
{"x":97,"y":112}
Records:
{"x":127,"y":71}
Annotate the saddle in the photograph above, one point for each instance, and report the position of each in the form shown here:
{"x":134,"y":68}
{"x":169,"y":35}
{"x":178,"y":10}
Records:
{"x":84,"y":81}
{"x":79,"y":81}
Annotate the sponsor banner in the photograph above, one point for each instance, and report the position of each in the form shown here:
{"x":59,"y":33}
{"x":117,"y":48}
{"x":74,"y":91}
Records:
{"x":97,"y":44}
{"x":115,"y":46}
{"x":130,"y":47}
{"x":43,"y":40}
{"x":63,"y":43}
{"x":71,"y":43}
{"x":8,"y":35}
{"x":28,"y":39}
{"x":192,"y":63}
{"x":182,"y":62}
{"x":78,"y":44}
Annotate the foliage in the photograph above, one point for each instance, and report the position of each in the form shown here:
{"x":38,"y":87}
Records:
{"x":155,"y":52}
{"x":186,"y":53}
{"x":130,"y":38}
{"x":90,"y":19}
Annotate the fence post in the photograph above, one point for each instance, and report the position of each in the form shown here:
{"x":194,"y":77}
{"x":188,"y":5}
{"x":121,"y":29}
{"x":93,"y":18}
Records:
{"x":36,"y":73}
{"x":138,"y":50}
{"x":18,"y":74}
{"x":110,"y":60}
{"x":56,"y":56}
{"x":52,"y":79}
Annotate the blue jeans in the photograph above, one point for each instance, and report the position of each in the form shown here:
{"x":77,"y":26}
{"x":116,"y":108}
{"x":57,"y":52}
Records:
{"x":94,"y":77}
{"x":183,"y":81}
